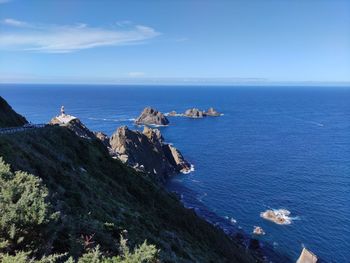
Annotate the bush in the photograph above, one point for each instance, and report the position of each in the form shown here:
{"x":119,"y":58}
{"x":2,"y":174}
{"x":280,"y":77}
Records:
{"x":24,"y":210}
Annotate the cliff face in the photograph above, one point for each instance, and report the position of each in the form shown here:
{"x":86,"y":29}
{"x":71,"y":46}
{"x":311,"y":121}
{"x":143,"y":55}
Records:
{"x":146,"y":151}
{"x":8,"y":117}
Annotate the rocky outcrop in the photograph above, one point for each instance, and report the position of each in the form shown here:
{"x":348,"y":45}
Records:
{"x":74,"y":124}
{"x":279,"y":216}
{"x":212,"y":112}
{"x":194,"y":113}
{"x":150,"y":116}
{"x":146,"y":151}
{"x":103,"y":138}
{"x":8,"y":117}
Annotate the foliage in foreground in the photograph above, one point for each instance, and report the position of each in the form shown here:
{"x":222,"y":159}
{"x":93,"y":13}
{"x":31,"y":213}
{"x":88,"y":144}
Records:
{"x":142,"y":254}
{"x":24,"y":210}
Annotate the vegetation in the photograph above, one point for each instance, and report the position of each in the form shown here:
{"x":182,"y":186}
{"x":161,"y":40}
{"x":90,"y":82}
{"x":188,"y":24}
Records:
{"x":85,"y":197}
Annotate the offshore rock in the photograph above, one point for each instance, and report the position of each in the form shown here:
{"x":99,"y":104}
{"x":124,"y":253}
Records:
{"x":212,"y":112}
{"x":150,"y":116}
{"x":194,"y":113}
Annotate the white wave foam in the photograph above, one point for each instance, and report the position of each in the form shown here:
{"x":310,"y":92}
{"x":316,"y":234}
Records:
{"x":189,"y":171}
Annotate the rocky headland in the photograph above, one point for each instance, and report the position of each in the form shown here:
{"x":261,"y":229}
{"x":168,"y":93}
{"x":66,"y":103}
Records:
{"x":74,"y":124}
{"x":146,"y":151}
{"x":150,"y":116}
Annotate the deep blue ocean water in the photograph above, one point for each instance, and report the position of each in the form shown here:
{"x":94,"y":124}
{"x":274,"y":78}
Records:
{"x":275,"y":147}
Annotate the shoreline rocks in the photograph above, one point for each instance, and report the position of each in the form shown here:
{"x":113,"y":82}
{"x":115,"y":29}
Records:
{"x":150,"y":116}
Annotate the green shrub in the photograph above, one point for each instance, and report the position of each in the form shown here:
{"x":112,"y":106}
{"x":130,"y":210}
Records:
{"x":24,"y":210}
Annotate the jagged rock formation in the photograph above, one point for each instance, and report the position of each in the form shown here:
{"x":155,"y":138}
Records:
{"x":194,"y":113}
{"x":146,"y":151}
{"x":8,"y":117}
{"x":74,"y":124}
{"x":150,"y":116}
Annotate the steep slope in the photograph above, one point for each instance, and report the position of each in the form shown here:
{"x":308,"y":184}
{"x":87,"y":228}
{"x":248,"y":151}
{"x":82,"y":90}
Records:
{"x":99,"y":196}
{"x":8,"y":117}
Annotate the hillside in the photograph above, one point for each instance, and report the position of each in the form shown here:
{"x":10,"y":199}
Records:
{"x":99,"y":196}
{"x":8,"y":117}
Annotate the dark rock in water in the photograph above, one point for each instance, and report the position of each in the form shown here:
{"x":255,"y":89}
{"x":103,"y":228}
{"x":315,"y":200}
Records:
{"x":8,"y":117}
{"x":150,"y":116}
{"x":74,"y":124}
{"x":103,"y":138}
{"x":212,"y":112}
{"x":146,"y":151}
{"x":194,"y":113}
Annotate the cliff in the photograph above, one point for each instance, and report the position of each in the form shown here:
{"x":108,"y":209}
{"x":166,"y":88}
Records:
{"x":8,"y":117}
{"x":97,"y":197}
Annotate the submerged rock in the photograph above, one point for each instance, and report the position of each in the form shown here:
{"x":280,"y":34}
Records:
{"x":258,"y":230}
{"x":146,"y":151}
{"x":150,"y":116}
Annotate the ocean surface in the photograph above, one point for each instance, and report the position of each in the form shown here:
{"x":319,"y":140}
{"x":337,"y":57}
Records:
{"x":274,"y":147}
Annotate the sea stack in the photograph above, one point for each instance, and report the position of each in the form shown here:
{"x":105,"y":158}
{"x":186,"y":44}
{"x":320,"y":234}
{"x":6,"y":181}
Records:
{"x":150,"y":116}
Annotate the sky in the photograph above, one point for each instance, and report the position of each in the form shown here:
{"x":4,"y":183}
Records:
{"x":182,"y":41}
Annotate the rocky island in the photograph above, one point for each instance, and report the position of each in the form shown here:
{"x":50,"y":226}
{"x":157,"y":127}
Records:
{"x":196,"y":113}
{"x":150,"y":116}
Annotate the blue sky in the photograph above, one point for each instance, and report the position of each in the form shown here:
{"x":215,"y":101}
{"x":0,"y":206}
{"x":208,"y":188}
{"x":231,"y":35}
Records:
{"x":174,"y":41}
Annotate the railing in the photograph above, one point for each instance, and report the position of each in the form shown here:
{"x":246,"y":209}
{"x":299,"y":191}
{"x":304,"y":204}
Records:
{"x":26,"y":127}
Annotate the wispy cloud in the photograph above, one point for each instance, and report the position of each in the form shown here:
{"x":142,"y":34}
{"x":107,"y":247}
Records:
{"x":136,"y":74}
{"x":14,"y":22}
{"x":4,"y":1}
{"x":68,"y":38}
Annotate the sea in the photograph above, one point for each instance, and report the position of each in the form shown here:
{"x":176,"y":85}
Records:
{"x":279,"y":147}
